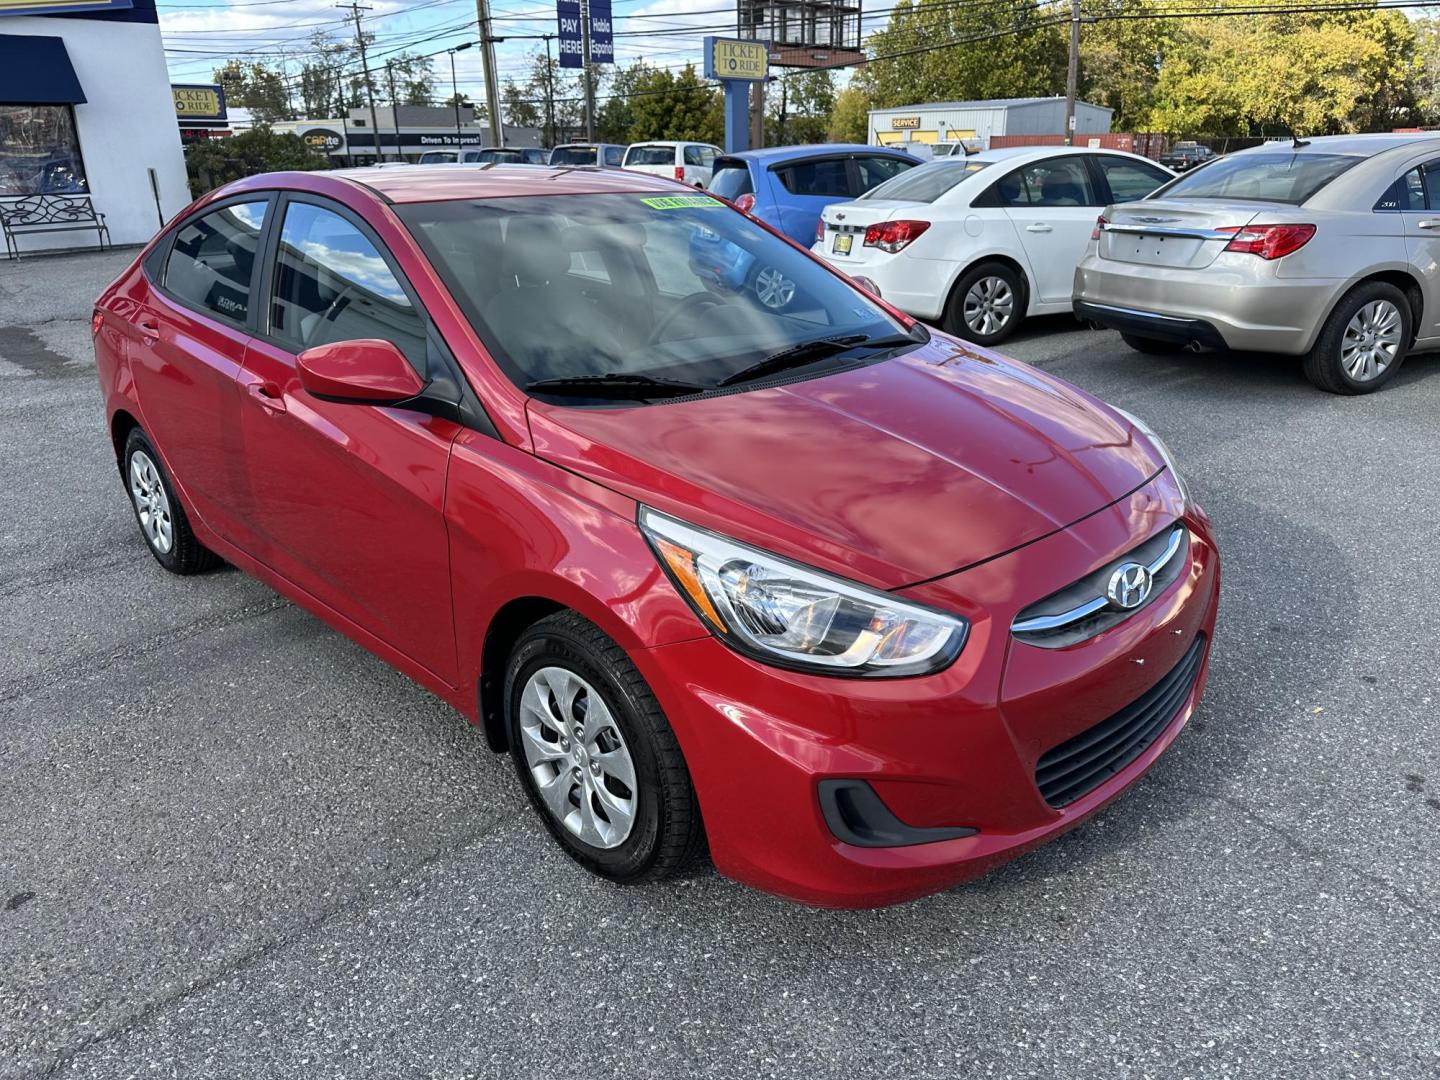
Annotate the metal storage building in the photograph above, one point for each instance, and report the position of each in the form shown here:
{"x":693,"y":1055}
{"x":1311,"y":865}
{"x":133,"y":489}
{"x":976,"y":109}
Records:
{"x":979,"y":121}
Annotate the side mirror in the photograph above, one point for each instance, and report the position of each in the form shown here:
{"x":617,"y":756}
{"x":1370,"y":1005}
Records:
{"x":363,"y":372}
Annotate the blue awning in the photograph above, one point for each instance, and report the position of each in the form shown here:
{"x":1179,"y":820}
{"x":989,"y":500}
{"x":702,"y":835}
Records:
{"x":37,"y":71}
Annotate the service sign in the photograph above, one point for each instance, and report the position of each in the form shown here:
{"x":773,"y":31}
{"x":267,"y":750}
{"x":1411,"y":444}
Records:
{"x":199,"y":102}
{"x":731,"y":58}
{"x":60,"y":7}
{"x":902,"y":123}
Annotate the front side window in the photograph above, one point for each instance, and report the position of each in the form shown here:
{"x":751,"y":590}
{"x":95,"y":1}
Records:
{"x":213,"y":259}
{"x":676,"y":287}
{"x":331,"y":284}
{"x":874,"y":171}
{"x":616,"y":154}
{"x":693,"y":156}
{"x":1281,"y":177}
{"x":1130,"y":180}
{"x":1053,"y":182}
{"x":825,"y":176}
{"x":39,"y":153}
{"x":650,"y":155}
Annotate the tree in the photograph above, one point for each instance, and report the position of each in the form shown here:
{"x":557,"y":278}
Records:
{"x":218,"y":161}
{"x":257,"y":87}
{"x":850,"y":118}
{"x":799,"y":107}
{"x":674,"y":106}
{"x":414,"y":78}
{"x":518,"y":106}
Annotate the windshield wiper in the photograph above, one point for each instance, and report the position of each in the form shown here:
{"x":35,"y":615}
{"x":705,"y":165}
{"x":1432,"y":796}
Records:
{"x":616,"y":384}
{"x":807,"y":352}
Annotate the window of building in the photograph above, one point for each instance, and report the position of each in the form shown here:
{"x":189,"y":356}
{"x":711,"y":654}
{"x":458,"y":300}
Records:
{"x":39,"y":153}
{"x":213,"y":259}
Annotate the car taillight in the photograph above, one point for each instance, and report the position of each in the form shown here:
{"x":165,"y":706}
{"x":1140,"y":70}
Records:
{"x":893,"y":236}
{"x":820,"y":230}
{"x":745,"y":203}
{"x":679,"y":172}
{"x":1267,"y":241}
{"x":97,"y":318}
{"x":1100,"y":223}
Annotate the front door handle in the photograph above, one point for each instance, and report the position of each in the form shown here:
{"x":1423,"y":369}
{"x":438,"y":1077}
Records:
{"x":268,"y":394}
{"x":1038,"y":227}
{"x":1428,"y":223}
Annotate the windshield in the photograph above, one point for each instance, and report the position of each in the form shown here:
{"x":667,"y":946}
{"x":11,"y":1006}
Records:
{"x":497,"y":155}
{"x":676,"y":287}
{"x":650,"y":155}
{"x":1287,"y":177}
{"x":573,"y":155}
{"x":926,"y":183}
{"x":437,"y":157}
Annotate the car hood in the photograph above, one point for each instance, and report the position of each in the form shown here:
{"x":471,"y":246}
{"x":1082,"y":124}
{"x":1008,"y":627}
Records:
{"x":891,"y":473}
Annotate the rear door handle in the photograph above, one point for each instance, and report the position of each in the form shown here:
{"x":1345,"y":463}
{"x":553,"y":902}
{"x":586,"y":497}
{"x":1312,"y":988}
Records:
{"x":1038,"y":227}
{"x":268,"y":394}
{"x":1428,"y":223}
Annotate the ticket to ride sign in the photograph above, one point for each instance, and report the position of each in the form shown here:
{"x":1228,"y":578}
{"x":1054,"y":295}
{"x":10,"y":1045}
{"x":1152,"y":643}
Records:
{"x":731,"y":58}
{"x":199,"y":102}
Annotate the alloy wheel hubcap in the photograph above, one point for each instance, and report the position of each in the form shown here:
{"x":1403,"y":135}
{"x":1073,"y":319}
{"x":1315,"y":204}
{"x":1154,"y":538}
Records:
{"x":577,"y":757}
{"x":989,"y":305}
{"x":152,"y":505}
{"x":1371,"y":340}
{"x":773,"y":288}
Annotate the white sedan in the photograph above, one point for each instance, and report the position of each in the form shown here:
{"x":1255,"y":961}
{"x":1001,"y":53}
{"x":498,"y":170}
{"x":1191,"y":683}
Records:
{"x":979,"y":242}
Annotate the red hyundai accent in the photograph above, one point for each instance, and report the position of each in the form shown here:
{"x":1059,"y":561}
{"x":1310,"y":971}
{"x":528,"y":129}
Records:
{"x":724,"y":551}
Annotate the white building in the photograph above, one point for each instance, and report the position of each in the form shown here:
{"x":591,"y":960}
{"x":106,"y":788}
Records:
{"x":980,"y":121}
{"x":86,"y":108}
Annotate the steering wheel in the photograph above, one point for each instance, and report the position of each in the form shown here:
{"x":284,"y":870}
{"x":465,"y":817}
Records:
{"x":688,"y":307}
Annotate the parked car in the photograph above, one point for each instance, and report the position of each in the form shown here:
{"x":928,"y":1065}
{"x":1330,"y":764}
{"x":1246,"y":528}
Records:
{"x":828,"y":595}
{"x":981,"y":242}
{"x":951,"y":149}
{"x":1186,"y":155}
{"x":609,"y":155}
{"x":688,"y":162}
{"x":1326,"y":250}
{"x":439,"y":157}
{"x":788,"y":186}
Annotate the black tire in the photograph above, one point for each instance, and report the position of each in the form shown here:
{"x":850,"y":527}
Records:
{"x":185,"y":555}
{"x":1323,"y":365}
{"x":954,"y":321}
{"x":1152,"y":346}
{"x":667,"y":837}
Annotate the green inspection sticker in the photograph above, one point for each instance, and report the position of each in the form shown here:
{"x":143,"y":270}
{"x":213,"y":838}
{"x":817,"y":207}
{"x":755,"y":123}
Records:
{"x":683,"y":202}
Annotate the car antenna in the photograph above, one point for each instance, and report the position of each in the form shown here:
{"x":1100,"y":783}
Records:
{"x":965,"y":148}
{"x":1296,"y":142}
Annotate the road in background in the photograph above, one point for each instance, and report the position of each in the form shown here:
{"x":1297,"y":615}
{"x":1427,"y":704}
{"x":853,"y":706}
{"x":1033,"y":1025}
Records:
{"x":233,"y":844}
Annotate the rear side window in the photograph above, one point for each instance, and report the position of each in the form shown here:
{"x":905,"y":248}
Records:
{"x":1053,"y":182}
{"x":731,"y":180}
{"x":874,"y":171}
{"x":1130,"y":180}
{"x":1407,"y":193}
{"x":213,"y":259}
{"x":692,"y":156}
{"x":926,"y":183}
{"x":650,"y":155}
{"x":823,"y":176}
{"x":331,"y":284}
{"x":616,"y":154}
{"x":1280,"y":177}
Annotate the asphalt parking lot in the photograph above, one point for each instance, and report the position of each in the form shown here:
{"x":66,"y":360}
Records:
{"x":233,"y":844}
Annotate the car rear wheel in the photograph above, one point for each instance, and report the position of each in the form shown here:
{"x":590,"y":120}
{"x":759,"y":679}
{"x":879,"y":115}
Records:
{"x":1152,"y":346}
{"x":986,"y":305}
{"x":596,"y":755}
{"x":1363,"y":342}
{"x":158,"y":512}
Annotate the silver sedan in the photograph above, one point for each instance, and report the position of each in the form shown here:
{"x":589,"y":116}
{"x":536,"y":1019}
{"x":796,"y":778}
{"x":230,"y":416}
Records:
{"x":1326,"y":248}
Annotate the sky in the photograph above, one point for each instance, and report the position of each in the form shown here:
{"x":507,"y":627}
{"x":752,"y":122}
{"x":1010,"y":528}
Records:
{"x":201,"y":34}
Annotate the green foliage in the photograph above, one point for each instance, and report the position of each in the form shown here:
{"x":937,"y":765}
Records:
{"x":257,"y":87}
{"x":850,"y":118}
{"x":798,"y":107}
{"x":674,"y":106}
{"x":218,"y":161}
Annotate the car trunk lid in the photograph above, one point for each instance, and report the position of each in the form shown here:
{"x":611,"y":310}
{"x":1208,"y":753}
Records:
{"x":1172,"y":232}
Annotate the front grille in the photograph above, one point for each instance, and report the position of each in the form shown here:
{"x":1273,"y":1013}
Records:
{"x":1080,"y":765}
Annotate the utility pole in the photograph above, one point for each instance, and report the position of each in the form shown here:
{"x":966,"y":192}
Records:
{"x":394,"y":108}
{"x":549,"y":91}
{"x":355,"y":10}
{"x":1072,"y":73}
{"x":586,"y":72}
{"x":492,"y":86}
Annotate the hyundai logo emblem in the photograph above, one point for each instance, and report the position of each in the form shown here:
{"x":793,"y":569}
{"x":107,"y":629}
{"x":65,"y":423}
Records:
{"x":1129,"y":586}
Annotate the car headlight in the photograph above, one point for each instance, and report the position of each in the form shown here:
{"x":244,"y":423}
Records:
{"x":791,"y":616}
{"x":1164,"y":450}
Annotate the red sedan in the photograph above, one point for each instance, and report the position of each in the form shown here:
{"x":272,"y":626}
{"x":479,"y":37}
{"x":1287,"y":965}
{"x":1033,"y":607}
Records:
{"x":721,"y":549}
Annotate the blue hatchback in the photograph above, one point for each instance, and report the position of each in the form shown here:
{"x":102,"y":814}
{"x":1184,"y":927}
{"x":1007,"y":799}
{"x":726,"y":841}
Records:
{"x":788,"y":186}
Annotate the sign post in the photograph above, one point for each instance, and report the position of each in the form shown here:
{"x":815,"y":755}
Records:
{"x":736,"y":64}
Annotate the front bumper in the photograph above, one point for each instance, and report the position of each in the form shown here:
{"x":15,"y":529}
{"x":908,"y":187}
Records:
{"x":956,"y":751}
{"x":1237,"y":302}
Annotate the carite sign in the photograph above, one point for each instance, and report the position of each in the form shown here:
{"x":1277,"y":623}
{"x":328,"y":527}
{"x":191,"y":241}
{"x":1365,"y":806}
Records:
{"x":202,"y":102}
{"x":326,"y":140}
{"x":730,"y":58}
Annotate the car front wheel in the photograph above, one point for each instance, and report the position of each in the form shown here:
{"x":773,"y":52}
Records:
{"x":1363,"y":342}
{"x":596,"y":755}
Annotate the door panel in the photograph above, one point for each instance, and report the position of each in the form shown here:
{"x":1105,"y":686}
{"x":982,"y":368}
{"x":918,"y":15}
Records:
{"x":1053,"y":205}
{"x":350,"y":498}
{"x":1416,"y":197}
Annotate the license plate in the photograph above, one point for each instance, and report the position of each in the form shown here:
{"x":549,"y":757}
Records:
{"x":842,"y":244}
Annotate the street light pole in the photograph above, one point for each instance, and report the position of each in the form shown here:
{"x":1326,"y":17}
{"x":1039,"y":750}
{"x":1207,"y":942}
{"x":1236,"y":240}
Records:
{"x":1072,"y":73}
{"x":455,"y":92}
{"x":549,"y":90}
{"x":492,"y":86}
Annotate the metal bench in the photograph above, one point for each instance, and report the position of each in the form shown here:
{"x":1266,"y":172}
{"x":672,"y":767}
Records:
{"x":49,"y":213}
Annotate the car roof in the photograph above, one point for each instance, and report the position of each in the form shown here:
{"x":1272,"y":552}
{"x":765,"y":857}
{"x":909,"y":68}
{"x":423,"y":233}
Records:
{"x":786,"y":153}
{"x":433,"y":183}
{"x":1350,"y":144}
